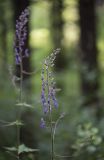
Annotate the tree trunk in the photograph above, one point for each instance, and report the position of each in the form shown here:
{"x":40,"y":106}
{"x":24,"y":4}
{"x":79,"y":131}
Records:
{"x":57,"y":23}
{"x":88,"y":52}
{"x":3,"y":35}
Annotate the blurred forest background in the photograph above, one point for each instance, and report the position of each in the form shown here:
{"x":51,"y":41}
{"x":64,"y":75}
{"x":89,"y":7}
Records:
{"x":75,"y":26}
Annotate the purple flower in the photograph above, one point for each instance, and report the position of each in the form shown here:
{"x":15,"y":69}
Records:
{"x":43,"y":96}
{"x":18,"y":59}
{"x":26,"y":53}
{"x":48,"y":94}
{"x":53,"y":96}
{"x":20,"y":36}
{"x":44,"y":103}
{"x":42,"y":123}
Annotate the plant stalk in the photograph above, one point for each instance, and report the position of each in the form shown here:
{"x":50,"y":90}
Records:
{"x":19,"y":112}
{"x":50,"y":120}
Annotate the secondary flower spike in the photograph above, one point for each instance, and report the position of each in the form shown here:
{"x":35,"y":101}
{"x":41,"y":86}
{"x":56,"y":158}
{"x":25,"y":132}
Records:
{"x":20,"y":37}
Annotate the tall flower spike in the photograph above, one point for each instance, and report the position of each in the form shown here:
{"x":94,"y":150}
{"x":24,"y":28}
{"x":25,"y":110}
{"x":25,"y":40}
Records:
{"x":20,"y":36}
{"x":48,"y":93}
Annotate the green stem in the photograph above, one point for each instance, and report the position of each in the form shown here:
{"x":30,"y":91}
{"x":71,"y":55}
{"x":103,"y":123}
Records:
{"x":54,"y":129}
{"x":50,"y":120}
{"x":52,"y":142}
{"x":19,"y":112}
{"x":21,"y":79}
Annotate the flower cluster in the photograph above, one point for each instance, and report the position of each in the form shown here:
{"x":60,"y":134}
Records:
{"x":48,"y":93}
{"x":20,"y":37}
{"x":42,"y":124}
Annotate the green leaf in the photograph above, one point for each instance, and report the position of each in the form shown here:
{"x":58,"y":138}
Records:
{"x":24,"y":105}
{"x":22,"y":148}
{"x":18,"y":123}
{"x":11,"y":148}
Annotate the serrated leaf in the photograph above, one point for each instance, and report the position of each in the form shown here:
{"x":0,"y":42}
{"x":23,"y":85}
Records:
{"x":23,"y":148}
